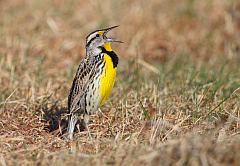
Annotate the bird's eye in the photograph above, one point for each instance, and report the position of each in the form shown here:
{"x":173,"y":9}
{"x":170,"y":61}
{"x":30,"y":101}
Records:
{"x":97,"y":35}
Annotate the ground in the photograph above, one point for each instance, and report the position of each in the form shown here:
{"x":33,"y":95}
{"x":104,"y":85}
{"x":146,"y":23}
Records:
{"x":176,"y":97}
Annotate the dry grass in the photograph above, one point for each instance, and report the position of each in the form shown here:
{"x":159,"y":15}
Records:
{"x":176,"y":100}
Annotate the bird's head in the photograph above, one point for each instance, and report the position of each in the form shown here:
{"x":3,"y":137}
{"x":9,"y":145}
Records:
{"x":99,"y":38}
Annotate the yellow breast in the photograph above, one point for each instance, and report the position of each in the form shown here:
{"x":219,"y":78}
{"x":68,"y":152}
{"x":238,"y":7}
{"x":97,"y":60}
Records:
{"x":107,"y":77}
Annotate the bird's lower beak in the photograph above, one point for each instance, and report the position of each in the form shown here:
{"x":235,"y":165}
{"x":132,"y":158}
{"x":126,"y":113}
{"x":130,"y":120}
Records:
{"x":113,"y":40}
{"x":110,"y":39}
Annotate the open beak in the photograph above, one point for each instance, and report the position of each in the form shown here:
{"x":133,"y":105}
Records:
{"x":110,"y":39}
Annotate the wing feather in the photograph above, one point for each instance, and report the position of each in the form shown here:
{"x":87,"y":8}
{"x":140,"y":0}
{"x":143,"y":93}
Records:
{"x":85,"y":72}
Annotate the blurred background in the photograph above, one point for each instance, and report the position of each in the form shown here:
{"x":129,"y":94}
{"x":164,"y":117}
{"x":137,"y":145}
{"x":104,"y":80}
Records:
{"x":155,"y":29}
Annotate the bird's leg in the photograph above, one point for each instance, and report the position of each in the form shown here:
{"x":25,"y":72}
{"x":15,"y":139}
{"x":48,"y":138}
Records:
{"x":71,"y":125}
{"x":78,"y":127}
{"x":86,"y":122}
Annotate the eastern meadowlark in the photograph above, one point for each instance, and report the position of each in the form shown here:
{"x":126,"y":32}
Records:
{"x":94,"y":78}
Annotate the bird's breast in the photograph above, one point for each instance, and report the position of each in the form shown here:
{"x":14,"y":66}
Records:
{"x":107,"y":77}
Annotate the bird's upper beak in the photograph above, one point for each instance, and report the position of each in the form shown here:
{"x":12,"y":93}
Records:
{"x":110,"y":39}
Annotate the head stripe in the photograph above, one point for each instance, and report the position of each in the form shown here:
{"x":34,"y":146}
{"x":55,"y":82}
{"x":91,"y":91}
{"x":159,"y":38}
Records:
{"x":90,"y":41}
{"x":100,"y":32}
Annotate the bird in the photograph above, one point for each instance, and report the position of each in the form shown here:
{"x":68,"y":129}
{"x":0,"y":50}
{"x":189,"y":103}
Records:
{"x":94,"y":79}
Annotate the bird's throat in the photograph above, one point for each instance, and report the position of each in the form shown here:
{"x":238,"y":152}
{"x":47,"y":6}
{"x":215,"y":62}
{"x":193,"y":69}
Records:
{"x":107,"y":46}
